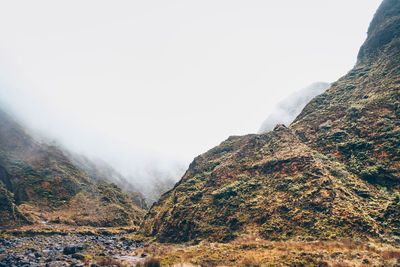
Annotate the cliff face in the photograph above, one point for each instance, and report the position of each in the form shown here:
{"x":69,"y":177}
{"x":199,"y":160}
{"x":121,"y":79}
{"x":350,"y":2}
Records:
{"x":334,"y":172}
{"x":38,"y":182}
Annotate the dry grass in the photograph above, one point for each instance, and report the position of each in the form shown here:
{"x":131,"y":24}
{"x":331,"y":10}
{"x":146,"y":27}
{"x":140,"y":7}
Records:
{"x":254,"y":251}
{"x":110,"y":262}
{"x":150,"y":262}
{"x":252,"y":259}
{"x":390,"y":254}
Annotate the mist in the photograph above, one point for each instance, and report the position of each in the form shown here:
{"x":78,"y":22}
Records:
{"x":286,"y":110}
{"x":148,"y":86}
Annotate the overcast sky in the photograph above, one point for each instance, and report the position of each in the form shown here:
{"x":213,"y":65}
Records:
{"x":122,"y":79}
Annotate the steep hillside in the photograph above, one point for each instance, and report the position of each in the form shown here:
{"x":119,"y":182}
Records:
{"x":287,"y":110}
{"x":40,"y":183}
{"x":334,"y":172}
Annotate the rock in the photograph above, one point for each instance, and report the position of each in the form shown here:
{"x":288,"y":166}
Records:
{"x":81,"y":246}
{"x":47,"y":252}
{"x":69,"y":249}
{"x":78,"y":256}
{"x":42,"y":251}
{"x":109,"y":242}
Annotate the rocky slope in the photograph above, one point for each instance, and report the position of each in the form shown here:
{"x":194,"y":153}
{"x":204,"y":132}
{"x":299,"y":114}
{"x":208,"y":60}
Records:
{"x":70,"y":250}
{"x":334,"y":172}
{"x":287,"y":110}
{"x":38,"y":182}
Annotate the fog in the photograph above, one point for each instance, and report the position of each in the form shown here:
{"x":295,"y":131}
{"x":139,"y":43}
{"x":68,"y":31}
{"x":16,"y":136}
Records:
{"x":286,"y":111}
{"x":149,"y":85}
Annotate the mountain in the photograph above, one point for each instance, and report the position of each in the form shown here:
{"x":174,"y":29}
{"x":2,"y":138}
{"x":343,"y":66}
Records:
{"x":333,"y":173}
{"x":101,"y":172}
{"x":286,"y":111}
{"x":39,"y":182}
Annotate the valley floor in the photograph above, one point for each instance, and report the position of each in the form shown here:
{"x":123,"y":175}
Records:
{"x":57,"y":245}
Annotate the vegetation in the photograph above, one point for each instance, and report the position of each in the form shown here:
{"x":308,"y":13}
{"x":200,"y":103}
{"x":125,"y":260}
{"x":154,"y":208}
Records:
{"x":250,"y":250}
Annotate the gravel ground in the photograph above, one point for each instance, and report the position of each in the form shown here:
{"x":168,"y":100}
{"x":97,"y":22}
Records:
{"x":69,"y":250}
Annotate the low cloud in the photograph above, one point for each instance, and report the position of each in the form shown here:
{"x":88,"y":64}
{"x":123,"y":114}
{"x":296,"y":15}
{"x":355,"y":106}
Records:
{"x":287,"y":110}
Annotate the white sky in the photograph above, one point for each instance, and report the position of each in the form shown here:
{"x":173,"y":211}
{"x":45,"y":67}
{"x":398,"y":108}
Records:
{"x":121,"y":79}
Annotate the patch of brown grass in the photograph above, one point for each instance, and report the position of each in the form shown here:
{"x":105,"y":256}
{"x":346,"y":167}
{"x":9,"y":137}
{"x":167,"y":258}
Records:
{"x":109,"y":262}
{"x":255,"y":251}
{"x":150,"y":262}
{"x":252,"y":259}
{"x":390,"y":254}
